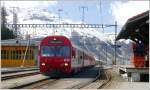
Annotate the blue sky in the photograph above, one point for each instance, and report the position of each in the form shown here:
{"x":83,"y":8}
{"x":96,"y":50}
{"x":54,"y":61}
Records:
{"x":112,"y":10}
{"x":93,"y":15}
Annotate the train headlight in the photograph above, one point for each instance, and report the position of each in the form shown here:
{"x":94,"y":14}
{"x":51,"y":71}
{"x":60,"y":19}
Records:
{"x":43,"y":64}
{"x":66,"y":64}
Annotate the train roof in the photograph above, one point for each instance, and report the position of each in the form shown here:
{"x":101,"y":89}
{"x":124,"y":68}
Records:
{"x":80,"y":49}
{"x":135,"y":27}
{"x":19,"y":42}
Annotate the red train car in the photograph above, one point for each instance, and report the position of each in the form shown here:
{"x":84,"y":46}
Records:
{"x":57,"y":54}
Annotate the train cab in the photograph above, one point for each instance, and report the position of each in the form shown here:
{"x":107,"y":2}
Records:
{"x":55,"y":54}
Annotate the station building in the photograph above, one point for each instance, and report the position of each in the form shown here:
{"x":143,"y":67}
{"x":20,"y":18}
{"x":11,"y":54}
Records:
{"x":16,"y":53}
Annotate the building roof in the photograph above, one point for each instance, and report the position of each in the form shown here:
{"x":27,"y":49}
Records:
{"x":136,"y":27}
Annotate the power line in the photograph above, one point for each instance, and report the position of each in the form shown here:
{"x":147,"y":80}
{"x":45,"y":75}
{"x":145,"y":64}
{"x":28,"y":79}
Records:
{"x":60,"y":25}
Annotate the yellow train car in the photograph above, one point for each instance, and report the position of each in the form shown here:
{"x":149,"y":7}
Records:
{"x":16,"y":53}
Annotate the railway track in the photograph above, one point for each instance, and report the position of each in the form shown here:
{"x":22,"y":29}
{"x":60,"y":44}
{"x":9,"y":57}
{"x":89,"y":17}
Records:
{"x":108,"y":80}
{"x":18,"y":74}
{"x":82,"y":85}
{"x":59,"y":84}
{"x":63,"y":83}
{"x":103,"y":81}
{"x":22,"y":81}
{"x":40,"y":84}
{"x":75,"y":82}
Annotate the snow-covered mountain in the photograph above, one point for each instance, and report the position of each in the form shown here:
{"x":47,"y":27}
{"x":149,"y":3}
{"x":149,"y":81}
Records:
{"x":89,"y":39}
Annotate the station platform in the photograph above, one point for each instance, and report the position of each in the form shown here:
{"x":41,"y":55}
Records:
{"x":134,"y":73}
{"x":130,"y":68}
{"x":17,"y":69}
{"x":121,"y":83}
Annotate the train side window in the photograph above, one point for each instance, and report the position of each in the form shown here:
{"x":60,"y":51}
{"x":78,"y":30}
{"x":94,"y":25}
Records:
{"x":11,"y":54}
{"x":27,"y":55}
{"x":19,"y":54}
{"x":7,"y":54}
{"x":14,"y":54}
{"x":2,"y":54}
{"x":23,"y":53}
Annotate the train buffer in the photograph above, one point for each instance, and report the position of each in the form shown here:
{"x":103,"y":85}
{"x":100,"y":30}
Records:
{"x":134,"y":74}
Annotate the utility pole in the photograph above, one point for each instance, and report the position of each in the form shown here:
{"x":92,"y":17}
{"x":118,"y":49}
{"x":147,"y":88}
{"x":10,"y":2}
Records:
{"x":83,"y":12}
{"x":59,"y":16}
{"x":115,"y":40}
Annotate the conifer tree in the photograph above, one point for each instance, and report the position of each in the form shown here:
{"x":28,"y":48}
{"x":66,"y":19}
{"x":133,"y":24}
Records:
{"x":5,"y":32}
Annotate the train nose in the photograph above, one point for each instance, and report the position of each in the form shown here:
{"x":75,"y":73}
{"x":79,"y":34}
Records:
{"x":56,"y":63}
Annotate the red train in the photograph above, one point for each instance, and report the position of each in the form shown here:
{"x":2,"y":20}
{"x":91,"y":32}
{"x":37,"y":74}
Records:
{"x":57,"y":54}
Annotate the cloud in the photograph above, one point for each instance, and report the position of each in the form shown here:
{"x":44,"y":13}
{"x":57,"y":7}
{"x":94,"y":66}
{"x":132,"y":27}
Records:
{"x":124,"y":10}
{"x":28,"y":4}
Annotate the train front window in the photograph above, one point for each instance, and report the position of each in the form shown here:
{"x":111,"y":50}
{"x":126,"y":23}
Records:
{"x":63,"y":51}
{"x":48,"y":50}
{"x":60,"y":51}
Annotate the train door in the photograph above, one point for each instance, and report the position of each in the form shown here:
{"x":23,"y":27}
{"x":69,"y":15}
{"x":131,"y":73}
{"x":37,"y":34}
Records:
{"x":80,"y":59}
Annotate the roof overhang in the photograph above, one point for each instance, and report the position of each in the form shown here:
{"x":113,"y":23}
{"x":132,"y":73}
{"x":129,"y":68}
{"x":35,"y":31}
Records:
{"x":134,"y":26}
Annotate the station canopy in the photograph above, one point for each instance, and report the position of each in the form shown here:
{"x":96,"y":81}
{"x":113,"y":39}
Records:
{"x":136,"y":28}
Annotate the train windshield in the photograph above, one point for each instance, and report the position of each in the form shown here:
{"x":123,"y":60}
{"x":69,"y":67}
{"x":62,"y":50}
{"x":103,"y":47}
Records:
{"x":50,"y":51}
